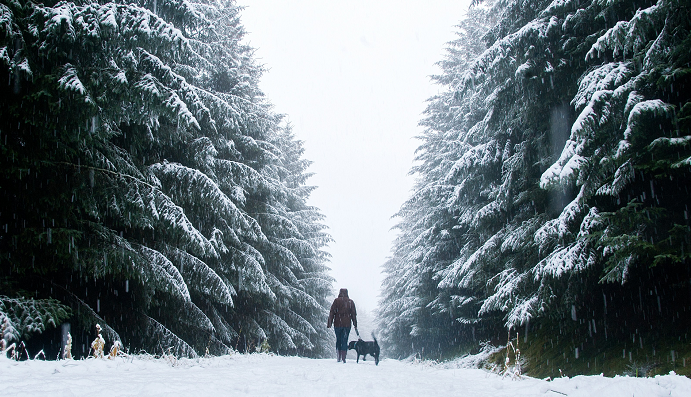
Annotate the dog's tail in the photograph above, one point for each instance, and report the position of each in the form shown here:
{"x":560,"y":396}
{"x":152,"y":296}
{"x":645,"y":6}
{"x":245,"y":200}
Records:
{"x":373,"y":337}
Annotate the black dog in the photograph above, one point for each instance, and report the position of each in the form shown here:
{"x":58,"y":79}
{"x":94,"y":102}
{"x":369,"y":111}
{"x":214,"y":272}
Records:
{"x":363,"y":348}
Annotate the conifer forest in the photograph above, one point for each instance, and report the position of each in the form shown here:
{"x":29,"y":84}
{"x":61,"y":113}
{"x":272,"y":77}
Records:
{"x":148,"y":186}
{"x":552,"y":194}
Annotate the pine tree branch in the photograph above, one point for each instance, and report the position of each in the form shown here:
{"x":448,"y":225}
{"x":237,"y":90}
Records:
{"x":78,"y":166}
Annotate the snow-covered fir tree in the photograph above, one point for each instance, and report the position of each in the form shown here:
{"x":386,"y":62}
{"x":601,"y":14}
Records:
{"x":552,"y":177}
{"x":141,"y":165}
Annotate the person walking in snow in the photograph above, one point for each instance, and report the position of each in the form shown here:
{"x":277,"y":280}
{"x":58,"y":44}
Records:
{"x":341,"y":314}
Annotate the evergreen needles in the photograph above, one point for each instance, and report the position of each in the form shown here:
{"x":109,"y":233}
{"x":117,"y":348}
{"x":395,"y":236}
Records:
{"x":553,"y":170}
{"x":147,"y":184}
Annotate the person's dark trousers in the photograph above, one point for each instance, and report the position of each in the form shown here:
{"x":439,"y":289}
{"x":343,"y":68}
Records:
{"x":342,"y":341}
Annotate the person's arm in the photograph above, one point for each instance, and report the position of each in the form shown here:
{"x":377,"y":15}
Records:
{"x":353,"y":314}
{"x":331,"y":316}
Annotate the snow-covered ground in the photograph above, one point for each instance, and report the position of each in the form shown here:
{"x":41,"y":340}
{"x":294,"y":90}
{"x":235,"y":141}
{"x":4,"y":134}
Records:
{"x":266,"y":375}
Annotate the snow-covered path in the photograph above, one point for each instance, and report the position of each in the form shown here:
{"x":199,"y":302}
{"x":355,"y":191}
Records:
{"x":264,"y":375}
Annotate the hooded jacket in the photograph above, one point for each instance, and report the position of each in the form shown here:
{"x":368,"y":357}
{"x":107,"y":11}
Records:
{"x":342,"y":311}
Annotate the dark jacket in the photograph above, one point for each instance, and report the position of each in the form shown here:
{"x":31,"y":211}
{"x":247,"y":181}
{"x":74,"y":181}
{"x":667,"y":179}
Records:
{"x":342,"y":311}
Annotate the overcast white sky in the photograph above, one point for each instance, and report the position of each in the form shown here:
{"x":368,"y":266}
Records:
{"x":352,"y":78}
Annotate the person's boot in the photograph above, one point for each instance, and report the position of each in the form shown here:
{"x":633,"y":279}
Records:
{"x":344,"y":353}
{"x":338,"y":360}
